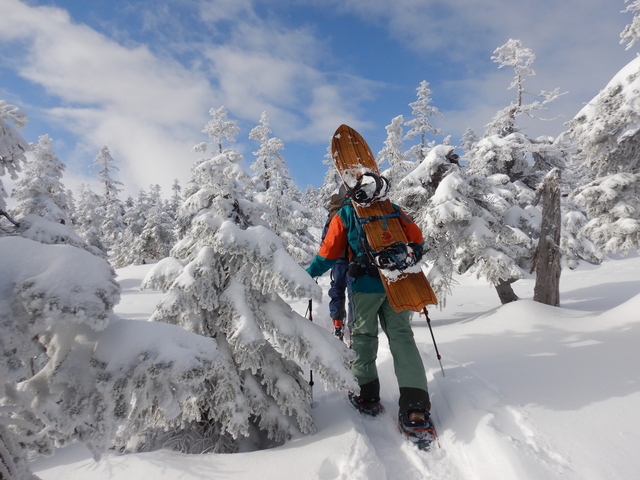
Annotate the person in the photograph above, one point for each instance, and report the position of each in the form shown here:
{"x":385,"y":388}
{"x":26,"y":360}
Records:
{"x":371,"y":308}
{"x":339,"y":279}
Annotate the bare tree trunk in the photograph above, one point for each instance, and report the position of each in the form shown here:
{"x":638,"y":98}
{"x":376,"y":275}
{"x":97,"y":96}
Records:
{"x":505,"y":292}
{"x":546,"y":260}
{"x":5,"y":214}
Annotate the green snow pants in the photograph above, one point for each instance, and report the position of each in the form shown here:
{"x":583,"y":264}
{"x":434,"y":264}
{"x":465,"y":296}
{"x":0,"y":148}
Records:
{"x":409,"y":369}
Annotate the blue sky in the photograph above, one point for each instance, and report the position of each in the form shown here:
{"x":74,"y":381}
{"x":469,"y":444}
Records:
{"x":141,"y":76}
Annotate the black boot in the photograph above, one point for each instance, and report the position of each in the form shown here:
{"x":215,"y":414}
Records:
{"x":416,"y":425}
{"x":368,"y":402}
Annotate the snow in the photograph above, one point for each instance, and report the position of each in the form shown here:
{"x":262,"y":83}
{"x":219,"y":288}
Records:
{"x":530,"y":392}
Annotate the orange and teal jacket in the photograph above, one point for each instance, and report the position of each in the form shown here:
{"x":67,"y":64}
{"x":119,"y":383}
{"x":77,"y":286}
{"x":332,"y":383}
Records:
{"x":343,"y":232}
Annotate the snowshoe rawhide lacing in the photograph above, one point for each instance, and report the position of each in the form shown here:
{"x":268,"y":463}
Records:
{"x":418,"y":428}
{"x":370,"y":407}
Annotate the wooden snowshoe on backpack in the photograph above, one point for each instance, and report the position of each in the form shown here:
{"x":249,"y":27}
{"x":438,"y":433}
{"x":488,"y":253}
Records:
{"x":408,"y":287}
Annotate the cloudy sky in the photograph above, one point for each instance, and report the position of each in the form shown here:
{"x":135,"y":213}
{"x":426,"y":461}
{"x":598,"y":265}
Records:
{"x":140,"y":76}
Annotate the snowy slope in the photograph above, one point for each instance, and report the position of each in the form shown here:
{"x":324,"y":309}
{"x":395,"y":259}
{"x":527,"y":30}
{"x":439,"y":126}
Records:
{"x":530,"y":392}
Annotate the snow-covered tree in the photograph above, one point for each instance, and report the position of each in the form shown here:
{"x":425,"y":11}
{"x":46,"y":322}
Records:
{"x":40,"y":190}
{"x":393,"y":153}
{"x":176,"y":199}
{"x":70,"y":370}
{"x":112,"y":208}
{"x":421,"y":125}
{"x":106,"y":164}
{"x":224,"y":280}
{"x":219,"y":128}
{"x":284,"y":214}
{"x":12,"y":146}
{"x":512,"y":165}
{"x":89,"y":216}
{"x":269,"y":166}
{"x":130,"y":249}
{"x":149,"y":231}
{"x":514,"y":54}
{"x":468,"y":140}
{"x":607,"y":135}
{"x":631,"y":32}
{"x":461,"y":218}
{"x":415,"y":189}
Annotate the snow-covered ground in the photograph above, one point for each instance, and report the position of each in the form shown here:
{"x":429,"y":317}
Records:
{"x":530,"y":392}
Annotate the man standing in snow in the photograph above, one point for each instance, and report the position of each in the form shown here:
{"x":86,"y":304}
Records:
{"x":370,"y":305}
{"x":339,"y":283}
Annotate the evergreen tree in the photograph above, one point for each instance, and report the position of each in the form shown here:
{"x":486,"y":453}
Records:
{"x":40,"y":190}
{"x":421,"y":125}
{"x":12,"y":147}
{"x":149,"y":230}
{"x":394,"y":154}
{"x":158,"y":232}
{"x":607,"y":161}
{"x":513,"y":165}
{"x":415,"y":189}
{"x":469,"y":140}
{"x":112,"y":227}
{"x":631,"y":32}
{"x":89,"y":216}
{"x":284,"y":214}
{"x":176,"y":199}
{"x":70,"y":370}
{"x":104,"y":161}
{"x":130,"y":250}
{"x":224,"y":280}
{"x":462,"y":220}
{"x":219,"y":128}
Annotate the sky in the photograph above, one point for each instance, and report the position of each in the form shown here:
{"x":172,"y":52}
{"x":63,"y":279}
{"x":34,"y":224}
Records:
{"x":141,"y":76}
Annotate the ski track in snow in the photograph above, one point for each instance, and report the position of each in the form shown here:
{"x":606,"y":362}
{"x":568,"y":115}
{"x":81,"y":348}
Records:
{"x":487,"y":429}
{"x":467,"y":409}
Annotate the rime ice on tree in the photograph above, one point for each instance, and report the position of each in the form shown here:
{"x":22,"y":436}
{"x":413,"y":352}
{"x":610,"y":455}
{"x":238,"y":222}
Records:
{"x":224,"y":280}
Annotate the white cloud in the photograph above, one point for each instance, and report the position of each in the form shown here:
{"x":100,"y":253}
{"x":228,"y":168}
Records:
{"x":576,"y":43}
{"x":149,"y":109}
{"x":149,"y":102}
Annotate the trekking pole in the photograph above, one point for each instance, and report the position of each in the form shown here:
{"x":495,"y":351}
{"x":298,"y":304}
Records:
{"x":310,"y":317}
{"x":426,"y":314}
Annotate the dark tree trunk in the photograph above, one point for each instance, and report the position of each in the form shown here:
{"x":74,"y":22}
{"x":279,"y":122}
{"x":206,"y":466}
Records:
{"x":505,"y":292}
{"x":546,"y":260}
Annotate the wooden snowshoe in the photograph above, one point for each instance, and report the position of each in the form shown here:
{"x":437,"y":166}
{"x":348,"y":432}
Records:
{"x":407,"y":289}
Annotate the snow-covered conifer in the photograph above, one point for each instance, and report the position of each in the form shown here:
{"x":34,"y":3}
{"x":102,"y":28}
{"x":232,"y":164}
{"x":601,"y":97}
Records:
{"x":176,"y":199}
{"x":284,"y":214}
{"x":149,"y":230}
{"x":70,"y":370}
{"x":224,"y":280}
{"x":415,"y":189}
{"x":421,"y":125}
{"x":393,"y":153}
{"x":607,"y":132}
{"x":461,"y":217}
{"x":89,"y":216}
{"x":468,"y":140}
{"x":12,"y":146}
{"x":220,"y":128}
{"x":40,"y":190}
{"x":510,"y":165}
{"x":631,"y":32}
{"x":112,"y":226}
{"x":106,"y":164}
